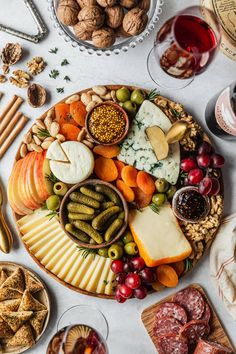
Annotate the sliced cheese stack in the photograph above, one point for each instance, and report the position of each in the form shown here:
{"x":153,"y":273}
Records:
{"x":46,"y":240}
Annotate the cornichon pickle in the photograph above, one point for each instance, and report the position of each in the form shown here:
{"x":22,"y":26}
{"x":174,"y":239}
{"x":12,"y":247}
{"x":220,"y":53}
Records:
{"x":107,"y":205}
{"x":73,"y":207}
{"x":79,"y":216}
{"x":101,"y":188}
{"x":89,"y":230}
{"x":80,"y":235}
{"x":113,"y":228}
{"x":102,"y":218}
{"x":84,"y":199}
{"x":121,"y":215}
{"x":91,"y":193}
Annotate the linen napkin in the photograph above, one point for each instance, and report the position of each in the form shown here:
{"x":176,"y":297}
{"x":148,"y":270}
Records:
{"x":223,"y":263}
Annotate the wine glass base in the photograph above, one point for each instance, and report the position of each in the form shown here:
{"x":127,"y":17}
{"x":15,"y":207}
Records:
{"x":161,"y":78}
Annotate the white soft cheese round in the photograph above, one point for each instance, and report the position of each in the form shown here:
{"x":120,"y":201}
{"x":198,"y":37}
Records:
{"x":79,"y":166}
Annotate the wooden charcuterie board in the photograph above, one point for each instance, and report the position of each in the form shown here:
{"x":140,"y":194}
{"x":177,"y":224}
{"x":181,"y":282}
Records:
{"x":217,"y":333}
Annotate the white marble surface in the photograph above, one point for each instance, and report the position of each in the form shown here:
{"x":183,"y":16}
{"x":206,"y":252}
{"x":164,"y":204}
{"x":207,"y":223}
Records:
{"x":127,"y":334}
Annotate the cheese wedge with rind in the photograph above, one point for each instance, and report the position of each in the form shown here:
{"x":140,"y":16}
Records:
{"x":159,"y":237}
{"x":56,"y":153}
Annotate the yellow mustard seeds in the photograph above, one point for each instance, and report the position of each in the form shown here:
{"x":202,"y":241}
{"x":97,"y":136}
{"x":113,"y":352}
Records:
{"x":106,"y":124}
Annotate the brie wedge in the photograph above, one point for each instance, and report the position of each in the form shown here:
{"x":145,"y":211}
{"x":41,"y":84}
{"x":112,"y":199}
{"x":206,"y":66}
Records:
{"x":56,"y":153}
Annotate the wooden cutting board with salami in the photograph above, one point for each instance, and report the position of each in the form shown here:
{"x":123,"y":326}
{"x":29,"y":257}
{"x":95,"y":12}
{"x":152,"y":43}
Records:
{"x":186,"y":323}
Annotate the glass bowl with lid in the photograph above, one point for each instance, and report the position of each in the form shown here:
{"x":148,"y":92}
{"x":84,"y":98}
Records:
{"x":122,"y":44}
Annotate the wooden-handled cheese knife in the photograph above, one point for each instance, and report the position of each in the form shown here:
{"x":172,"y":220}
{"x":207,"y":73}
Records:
{"x":6,"y":239}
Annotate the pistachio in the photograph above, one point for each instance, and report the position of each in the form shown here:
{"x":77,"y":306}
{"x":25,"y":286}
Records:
{"x":54,"y":129}
{"x":23,"y":150}
{"x":35,"y":147}
{"x":96,"y":98}
{"x":72,"y":99}
{"x":40,"y":124}
{"x":100,"y":90}
{"x":36,"y":140}
{"x":81,"y":134}
{"x":90,"y":106}
{"x":60,"y":137}
{"x":45,"y":144}
{"x":27,"y":138}
{"x":86,"y":98}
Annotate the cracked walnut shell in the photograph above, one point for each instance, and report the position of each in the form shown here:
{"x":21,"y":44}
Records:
{"x":103,"y":37}
{"x":36,"y":95}
{"x":92,"y":16}
{"x":36,"y":65}
{"x":20,"y":78}
{"x":11,"y":53}
{"x":67,"y":12}
{"x":114,"y":16}
{"x":135,"y":21}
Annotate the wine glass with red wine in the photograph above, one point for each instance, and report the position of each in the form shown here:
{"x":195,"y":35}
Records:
{"x":184,"y":47}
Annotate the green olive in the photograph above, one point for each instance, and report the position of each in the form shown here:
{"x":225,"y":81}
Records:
{"x":115,"y":252}
{"x":170,"y":192}
{"x":131,"y":248}
{"x":103,"y":252}
{"x":60,"y":188}
{"x":130,"y":107}
{"x":159,"y":199}
{"x":138,"y":96}
{"x":53,"y":202}
{"x":119,"y":242}
{"x":123,"y":94}
{"x":161,"y":185}
{"x":127,"y":237}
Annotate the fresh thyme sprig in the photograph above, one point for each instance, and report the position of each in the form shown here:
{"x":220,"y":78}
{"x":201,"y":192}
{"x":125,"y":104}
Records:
{"x":54,"y":74}
{"x":153,"y":95}
{"x":53,"y":50}
{"x":67,"y":78}
{"x":43,"y":133}
{"x":154,"y":208}
{"x":64,"y":62}
{"x":60,"y":89}
{"x":87,"y":251}
{"x":51,"y":177}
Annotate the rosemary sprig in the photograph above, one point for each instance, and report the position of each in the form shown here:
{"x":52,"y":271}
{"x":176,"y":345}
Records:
{"x":188,"y":264}
{"x":60,"y":89}
{"x":64,"y":62}
{"x":43,"y":133}
{"x":67,"y":78}
{"x":153,"y":94}
{"x":54,"y":74}
{"x":86,"y":251}
{"x":52,"y":214}
{"x":176,"y":113}
{"x":53,"y":50}
{"x":51,"y":177}
{"x":154,"y":208}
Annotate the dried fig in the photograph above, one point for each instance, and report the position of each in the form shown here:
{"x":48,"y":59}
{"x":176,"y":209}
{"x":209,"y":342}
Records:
{"x":11,"y":53}
{"x":135,"y":21}
{"x":114,"y":16}
{"x":67,"y":12}
{"x":81,"y":32}
{"x":36,"y":95}
{"x":105,"y":3}
{"x":103,"y":37}
{"x":128,"y":4}
{"x":83,"y":3}
{"x":92,"y":16}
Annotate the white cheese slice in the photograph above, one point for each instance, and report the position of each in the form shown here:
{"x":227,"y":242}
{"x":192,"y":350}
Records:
{"x":110,"y":283}
{"x":93,"y":282}
{"x":103,"y":277}
{"x":55,"y":152}
{"x":137,"y":151}
{"x":50,"y":251}
{"x":82,"y":270}
{"x":159,"y":237}
{"x":80,"y":166}
{"x":90,"y":271}
{"x":74,"y":268}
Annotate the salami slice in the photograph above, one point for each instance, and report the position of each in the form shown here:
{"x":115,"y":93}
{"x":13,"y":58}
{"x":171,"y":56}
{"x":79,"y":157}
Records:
{"x":207,"y":347}
{"x":207,"y":313}
{"x":172,"y":344}
{"x":195,"y":330}
{"x":192,"y":301}
{"x":167,"y":325}
{"x":173,"y":310}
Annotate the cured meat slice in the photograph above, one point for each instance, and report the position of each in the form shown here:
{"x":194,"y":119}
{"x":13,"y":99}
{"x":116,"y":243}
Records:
{"x":195,"y":330}
{"x":192,"y":301}
{"x":173,"y":310}
{"x":207,"y":347}
{"x":167,"y":325}
{"x":207,"y":313}
{"x":172,"y":344}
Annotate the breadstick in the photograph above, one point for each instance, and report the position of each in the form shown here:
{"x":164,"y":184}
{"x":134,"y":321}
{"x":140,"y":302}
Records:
{"x":7,"y":108}
{"x":17,"y":129}
{"x":10,"y":127}
{"x":6,"y":120}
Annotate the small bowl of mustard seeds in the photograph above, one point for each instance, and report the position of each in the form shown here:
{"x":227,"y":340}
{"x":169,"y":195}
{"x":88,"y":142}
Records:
{"x":107,"y":123}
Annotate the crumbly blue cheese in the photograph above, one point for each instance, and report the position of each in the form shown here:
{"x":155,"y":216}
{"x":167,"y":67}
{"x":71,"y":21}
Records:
{"x":137,"y":151}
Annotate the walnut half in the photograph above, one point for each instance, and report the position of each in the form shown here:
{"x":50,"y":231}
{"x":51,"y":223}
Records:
{"x":36,"y":95}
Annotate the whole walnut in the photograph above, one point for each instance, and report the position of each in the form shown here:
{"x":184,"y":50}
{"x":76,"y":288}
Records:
{"x":114,"y":16}
{"x":81,"y":32}
{"x":67,"y":12}
{"x":135,"y":21}
{"x":144,"y":5}
{"x":92,"y":16}
{"x":83,"y":3}
{"x":105,"y":3}
{"x":120,"y":32}
{"x":128,"y":4}
{"x":103,"y":37}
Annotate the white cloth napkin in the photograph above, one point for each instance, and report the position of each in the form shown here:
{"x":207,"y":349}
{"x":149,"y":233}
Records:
{"x":223,"y":263}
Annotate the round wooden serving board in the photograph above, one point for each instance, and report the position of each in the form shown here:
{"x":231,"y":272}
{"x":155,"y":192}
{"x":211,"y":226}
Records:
{"x":169,"y":108}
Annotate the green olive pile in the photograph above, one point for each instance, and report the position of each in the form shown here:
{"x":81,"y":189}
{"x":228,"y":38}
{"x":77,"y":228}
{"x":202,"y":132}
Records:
{"x":95,"y":214}
{"x":53,"y":202}
{"x":130,"y":101}
{"x":165,"y":192}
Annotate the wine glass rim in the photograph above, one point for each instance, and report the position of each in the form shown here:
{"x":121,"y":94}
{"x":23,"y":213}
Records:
{"x":217,"y":33}
{"x":90,"y":307}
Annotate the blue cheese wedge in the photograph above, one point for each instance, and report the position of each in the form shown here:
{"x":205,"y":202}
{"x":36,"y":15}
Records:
{"x":137,"y":151}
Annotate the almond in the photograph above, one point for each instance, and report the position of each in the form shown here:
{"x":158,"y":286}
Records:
{"x":40,"y":124}
{"x":54,"y":129}
{"x":45,"y":145}
{"x":60,"y":137}
{"x":35,"y":147}
{"x":100,"y":90}
{"x":27,"y":138}
{"x":23,"y":150}
{"x":72,"y":99}
{"x":86,"y":98}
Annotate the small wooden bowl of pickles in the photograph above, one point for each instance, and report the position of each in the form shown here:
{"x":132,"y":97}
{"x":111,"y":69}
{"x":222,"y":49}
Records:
{"x":94,"y":214}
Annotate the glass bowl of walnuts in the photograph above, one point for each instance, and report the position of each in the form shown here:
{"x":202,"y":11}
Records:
{"x":105,"y":26}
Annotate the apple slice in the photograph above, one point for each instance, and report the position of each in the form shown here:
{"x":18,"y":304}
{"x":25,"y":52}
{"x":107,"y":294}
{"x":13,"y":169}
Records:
{"x":38,"y":176}
{"x":10,"y":194}
{"x":30,"y":182}
{"x":28,"y":197}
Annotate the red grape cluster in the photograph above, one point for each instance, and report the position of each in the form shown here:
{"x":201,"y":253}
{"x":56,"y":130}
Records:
{"x":197,"y":168}
{"x":132,"y":276}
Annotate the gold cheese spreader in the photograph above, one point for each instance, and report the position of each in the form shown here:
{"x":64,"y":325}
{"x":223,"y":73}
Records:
{"x":6,"y":239}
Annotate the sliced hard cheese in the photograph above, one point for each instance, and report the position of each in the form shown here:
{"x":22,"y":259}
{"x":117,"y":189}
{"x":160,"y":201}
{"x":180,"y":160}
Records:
{"x":80,"y":166}
{"x":159,"y":237}
{"x":110,"y":283}
{"x":93,"y":282}
{"x":137,"y":151}
{"x":89,"y":272}
{"x":74,"y":268}
{"x":82,"y":270}
{"x":55,"y":152}
{"x":103,"y":277}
